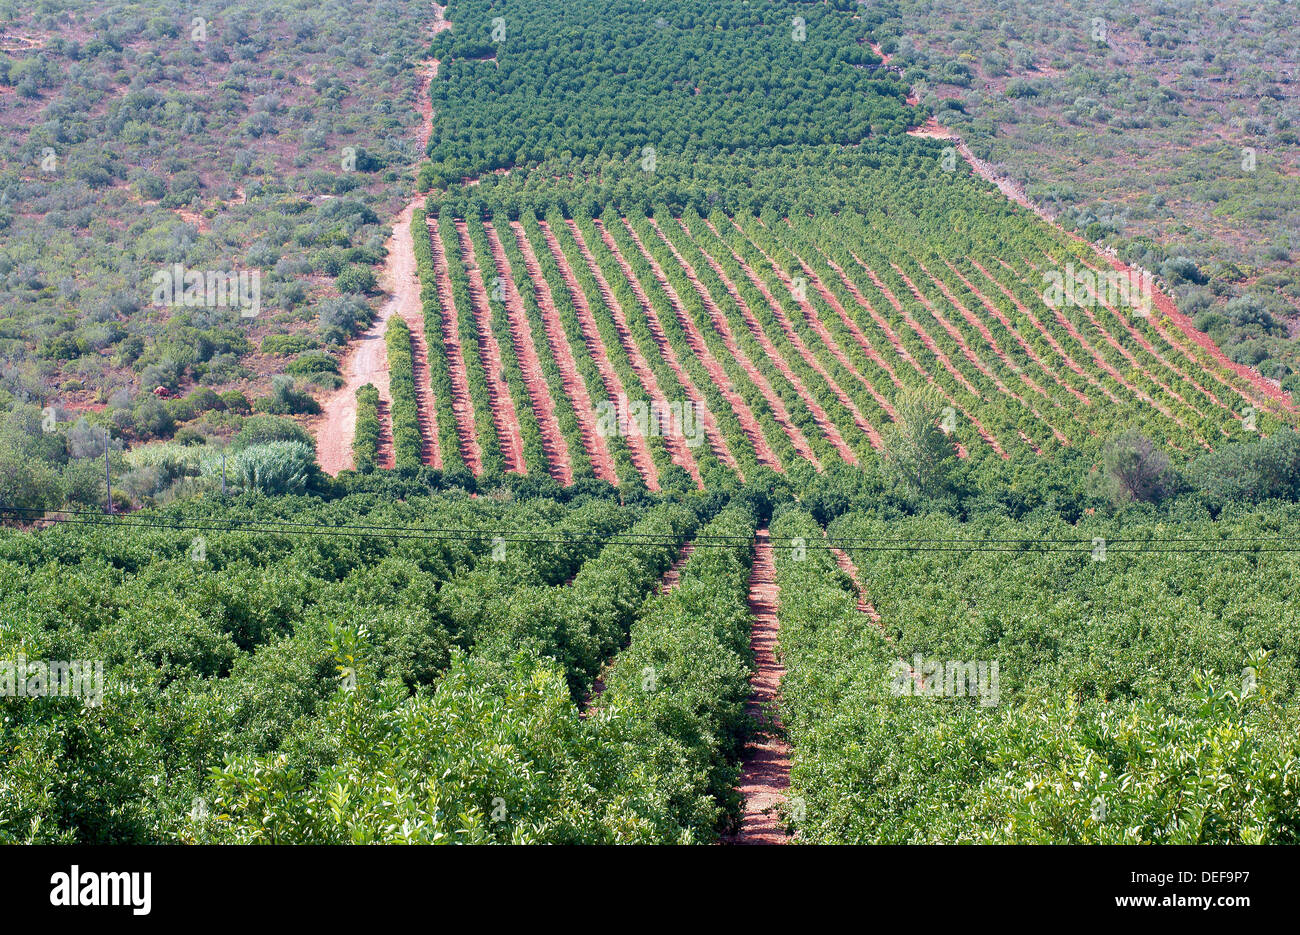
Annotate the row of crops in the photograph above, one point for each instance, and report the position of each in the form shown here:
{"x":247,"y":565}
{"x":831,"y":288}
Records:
{"x":466,"y":670}
{"x":425,"y":670}
{"x":794,"y":338}
{"x":1014,"y":694}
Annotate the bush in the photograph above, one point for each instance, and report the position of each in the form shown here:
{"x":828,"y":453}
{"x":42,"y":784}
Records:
{"x":288,"y":343}
{"x":236,"y":401}
{"x":356,"y":279}
{"x":312,"y":362}
{"x":275,"y":468}
{"x":259,"y":430}
{"x":1137,"y":470}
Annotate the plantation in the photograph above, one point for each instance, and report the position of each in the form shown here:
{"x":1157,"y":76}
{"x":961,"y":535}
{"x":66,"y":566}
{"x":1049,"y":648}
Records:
{"x":707,"y":452}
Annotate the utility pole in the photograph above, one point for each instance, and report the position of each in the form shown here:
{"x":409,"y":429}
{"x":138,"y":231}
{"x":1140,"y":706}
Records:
{"x":108,"y":475}
{"x":223,"y":473}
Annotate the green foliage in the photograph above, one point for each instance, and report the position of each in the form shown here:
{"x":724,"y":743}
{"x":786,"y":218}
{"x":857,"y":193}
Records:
{"x":275,"y":468}
{"x":918,"y":456}
{"x":1137,"y":470}
{"x":365,"y":442}
{"x":408,"y":445}
{"x":1089,"y":740}
{"x":260,"y":429}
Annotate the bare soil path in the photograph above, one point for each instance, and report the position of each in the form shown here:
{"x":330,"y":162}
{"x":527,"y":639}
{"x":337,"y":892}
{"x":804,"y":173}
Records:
{"x":574,"y":385}
{"x":856,"y":332}
{"x":864,"y":605}
{"x":462,"y":404}
{"x":895,"y":342}
{"x":748,"y":423}
{"x":504,"y":416}
{"x":1047,"y":335}
{"x":366,"y":360}
{"x":765,"y":768}
{"x":960,"y":340}
{"x":385,"y":457}
{"x":539,"y":394}
{"x":614,"y":388}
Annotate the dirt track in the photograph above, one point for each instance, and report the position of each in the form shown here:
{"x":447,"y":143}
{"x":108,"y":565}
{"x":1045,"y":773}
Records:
{"x":765,"y":768}
{"x":366,"y":360}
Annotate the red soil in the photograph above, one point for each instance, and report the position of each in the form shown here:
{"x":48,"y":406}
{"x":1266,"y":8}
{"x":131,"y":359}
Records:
{"x":673,"y":576}
{"x":503,"y":407}
{"x":979,"y":365}
{"x":778,"y":312}
{"x":846,"y":564}
{"x":1132,"y":359}
{"x":1151,"y":349}
{"x":823,"y":333}
{"x":521,"y":335}
{"x":461,"y":403}
{"x":978,"y":324}
{"x":384,"y":456}
{"x":917,"y":327}
{"x":614,"y":388}
{"x":1048,"y":336}
{"x":367,"y":361}
{"x":723,"y":329}
{"x":748,"y":424}
{"x":574,"y":385}
{"x":933,"y":349}
{"x":681,"y":453}
{"x":765,"y":769}
{"x":1025,"y":345}
{"x":424,"y":409}
{"x":1165,"y":305}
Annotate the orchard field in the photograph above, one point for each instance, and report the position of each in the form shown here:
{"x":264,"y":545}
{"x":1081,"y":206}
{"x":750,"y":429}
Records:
{"x":711,"y":452}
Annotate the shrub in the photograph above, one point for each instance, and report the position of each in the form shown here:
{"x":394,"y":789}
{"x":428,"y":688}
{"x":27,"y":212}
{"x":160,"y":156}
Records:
{"x":275,"y":468}
{"x":259,"y":430}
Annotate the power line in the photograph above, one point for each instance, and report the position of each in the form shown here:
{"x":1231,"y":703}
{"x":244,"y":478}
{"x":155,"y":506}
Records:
{"x":704,"y":540}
